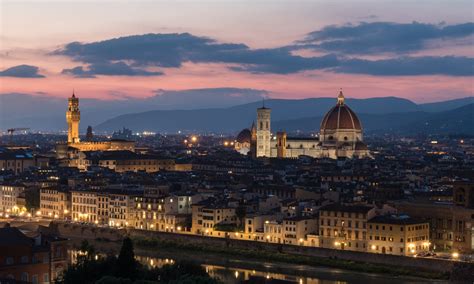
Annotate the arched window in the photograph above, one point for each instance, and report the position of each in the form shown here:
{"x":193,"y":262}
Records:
{"x":345,"y":138}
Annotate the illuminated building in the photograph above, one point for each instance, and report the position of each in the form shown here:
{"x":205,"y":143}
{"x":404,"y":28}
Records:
{"x":84,"y":206}
{"x":54,"y":203}
{"x":9,"y":194}
{"x":340,"y":136}
{"x":451,"y":226}
{"x":398,"y":235}
{"x":73,"y":117}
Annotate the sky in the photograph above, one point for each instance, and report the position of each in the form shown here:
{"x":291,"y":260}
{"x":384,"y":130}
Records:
{"x":111,"y":50}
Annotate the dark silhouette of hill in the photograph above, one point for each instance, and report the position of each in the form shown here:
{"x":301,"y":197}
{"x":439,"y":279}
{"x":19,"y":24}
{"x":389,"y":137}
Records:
{"x":377,"y":115}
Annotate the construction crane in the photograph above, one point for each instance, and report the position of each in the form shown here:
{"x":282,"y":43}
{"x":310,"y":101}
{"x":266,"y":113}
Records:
{"x":12,"y":130}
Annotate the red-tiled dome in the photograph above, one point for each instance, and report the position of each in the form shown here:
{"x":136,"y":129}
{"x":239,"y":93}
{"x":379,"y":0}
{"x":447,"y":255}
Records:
{"x":244,"y":136}
{"x":340,"y":117}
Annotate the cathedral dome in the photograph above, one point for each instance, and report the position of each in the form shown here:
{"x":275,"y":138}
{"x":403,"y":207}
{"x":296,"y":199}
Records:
{"x":244,"y":136}
{"x":340,"y":117}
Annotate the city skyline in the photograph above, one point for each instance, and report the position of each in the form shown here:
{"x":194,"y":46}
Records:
{"x":284,"y":50}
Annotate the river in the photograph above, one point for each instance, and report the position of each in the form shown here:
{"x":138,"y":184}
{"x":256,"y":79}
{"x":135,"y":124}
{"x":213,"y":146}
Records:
{"x":234,"y":270}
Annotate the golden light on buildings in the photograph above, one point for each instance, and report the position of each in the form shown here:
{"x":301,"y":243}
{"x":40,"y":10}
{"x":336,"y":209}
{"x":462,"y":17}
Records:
{"x":455,"y":255}
{"x":96,"y":222}
{"x":337,"y":243}
{"x":179,"y":228}
{"x":268,"y":237}
{"x":38,"y":213}
{"x":194,"y":139}
{"x":66,"y":211}
{"x":152,"y":226}
{"x":373,"y":247}
{"x":56,"y":216}
{"x":301,"y":240}
{"x":226,"y":143}
{"x":236,"y":274}
{"x":29,"y":215}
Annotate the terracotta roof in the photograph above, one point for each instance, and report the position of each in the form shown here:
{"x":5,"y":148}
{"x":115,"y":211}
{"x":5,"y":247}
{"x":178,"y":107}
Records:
{"x":340,"y":117}
{"x":244,"y":136}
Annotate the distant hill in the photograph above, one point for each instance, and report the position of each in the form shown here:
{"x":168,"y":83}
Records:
{"x":230,"y":110}
{"x":377,"y":114}
{"x":459,"y":120}
{"x":446,"y":105}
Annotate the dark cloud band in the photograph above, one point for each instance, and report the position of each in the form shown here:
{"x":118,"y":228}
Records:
{"x":22,"y":71}
{"x":134,"y":55}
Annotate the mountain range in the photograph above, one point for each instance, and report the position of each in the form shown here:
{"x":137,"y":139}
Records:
{"x":388,"y":114}
{"x":228,"y":110}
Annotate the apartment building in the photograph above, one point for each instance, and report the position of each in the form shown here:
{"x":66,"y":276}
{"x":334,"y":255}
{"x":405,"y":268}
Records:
{"x":55,"y":203}
{"x":398,"y":235}
{"x":295,"y":229}
{"x":84,"y":206}
{"x":9,"y":194}
{"x":206,"y":215}
{"x":345,"y":226}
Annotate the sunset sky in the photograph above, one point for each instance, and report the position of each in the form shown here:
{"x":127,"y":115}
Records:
{"x":419,"y":50}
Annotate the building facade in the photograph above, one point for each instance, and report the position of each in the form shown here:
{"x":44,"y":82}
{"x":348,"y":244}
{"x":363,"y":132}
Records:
{"x":23,"y":259}
{"x":55,"y":203}
{"x":398,"y":235}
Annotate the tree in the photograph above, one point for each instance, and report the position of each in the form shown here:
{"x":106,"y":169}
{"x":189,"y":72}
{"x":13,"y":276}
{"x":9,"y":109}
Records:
{"x":126,"y":263}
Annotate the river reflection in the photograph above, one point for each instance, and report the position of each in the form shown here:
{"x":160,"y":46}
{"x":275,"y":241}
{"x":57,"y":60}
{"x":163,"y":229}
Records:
{"x":233,"y":275}
{"x":225,"y":274}
{"x":235,"y":271}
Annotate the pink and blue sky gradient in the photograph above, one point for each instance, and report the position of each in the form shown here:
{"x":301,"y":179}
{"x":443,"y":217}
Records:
{"x":420,"y":50}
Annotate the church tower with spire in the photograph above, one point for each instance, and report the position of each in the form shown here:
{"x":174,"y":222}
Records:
{"x":73,"y":116}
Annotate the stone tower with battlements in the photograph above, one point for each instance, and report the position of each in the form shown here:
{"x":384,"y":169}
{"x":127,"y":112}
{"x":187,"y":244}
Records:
{"x":73,"y":116}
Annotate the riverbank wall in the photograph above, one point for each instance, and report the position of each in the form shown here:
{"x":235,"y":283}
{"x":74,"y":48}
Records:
{"x":90,"y":232}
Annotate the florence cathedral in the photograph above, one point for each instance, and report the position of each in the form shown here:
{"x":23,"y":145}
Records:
{"x":340,"y":136}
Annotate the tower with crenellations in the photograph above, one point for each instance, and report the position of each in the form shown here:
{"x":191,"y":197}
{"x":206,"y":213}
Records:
{"x":73,"y":117}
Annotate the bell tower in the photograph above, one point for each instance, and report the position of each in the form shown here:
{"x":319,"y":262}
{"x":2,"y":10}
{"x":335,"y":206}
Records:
{"x":73,"y":116}
{"x":263,"y":132}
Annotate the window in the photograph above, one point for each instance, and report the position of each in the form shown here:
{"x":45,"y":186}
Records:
{"x":9,"y":260}
{"x":24,"y":276}
{"x":46,"y":277}
{"x":34,"y":279}
{"x":24,"y":259}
